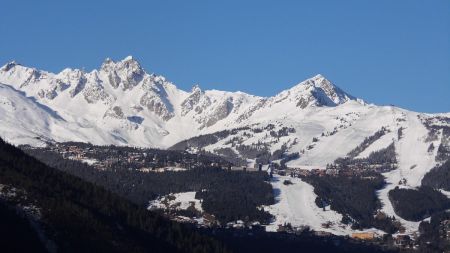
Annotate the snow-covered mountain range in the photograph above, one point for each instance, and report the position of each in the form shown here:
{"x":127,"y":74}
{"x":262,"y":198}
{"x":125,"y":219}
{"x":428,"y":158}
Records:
{"x":122,"y":104}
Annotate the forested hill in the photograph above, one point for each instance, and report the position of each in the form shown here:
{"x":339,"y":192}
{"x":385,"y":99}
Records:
{"x":68,"y":214}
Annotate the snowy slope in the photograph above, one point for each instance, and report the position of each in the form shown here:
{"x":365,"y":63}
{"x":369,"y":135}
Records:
{"x":23,"y":119}
{"x":414,"y":162}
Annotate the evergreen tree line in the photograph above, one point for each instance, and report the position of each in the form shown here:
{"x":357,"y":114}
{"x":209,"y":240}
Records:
{"x":418,"y":204}
{"x":384,"y":159}
{"x":367,"y":142}
{"x":433,"y":234}
{"x":438,"y":177}
{"x":205,"y":140}
{"x":16,"y":233}
{"x":443,"y":152}
{"x":259,"y":151}
{"x":81,"y":217}
{"x":355,"y":198}
{"x":238,"y":198}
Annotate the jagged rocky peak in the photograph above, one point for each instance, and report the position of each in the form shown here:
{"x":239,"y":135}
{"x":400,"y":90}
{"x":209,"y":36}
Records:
{"x":333,"y":92}
{"x":192,"y":100}
{"x":125,"y":74}
{"x":107,"y":62}
{"x":196,"y":88}
{"x":128,"y":62}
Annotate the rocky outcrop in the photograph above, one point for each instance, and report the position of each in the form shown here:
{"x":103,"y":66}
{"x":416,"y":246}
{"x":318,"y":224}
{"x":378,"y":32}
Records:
{"x":192,"y":100}
{"x":155,"y":104}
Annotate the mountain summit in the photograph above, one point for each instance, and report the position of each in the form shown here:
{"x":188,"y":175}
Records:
{"x":315,"y":91}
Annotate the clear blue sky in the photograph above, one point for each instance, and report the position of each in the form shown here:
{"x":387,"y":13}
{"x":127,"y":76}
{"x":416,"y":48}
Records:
{"x":384,"y":51}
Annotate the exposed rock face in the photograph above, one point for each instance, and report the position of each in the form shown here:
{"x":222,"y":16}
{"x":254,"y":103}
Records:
{"x":33,"y":77}
{"x":249,"y":112}
{"x":331,"y":91}
{"x":304,"y":102}
{"x":155,"y":104}
{"x":192,"y":100}
{"x":78,"y":86}
{"x":9,"y":66}
{"x":219,"y":113}
{"x":94,"y":92}
{"x":126,"y":74}
{"x":55,"y":87}
{"x":115,"y":112}
{"x":133,"y":74}
{"x":114,"y":79}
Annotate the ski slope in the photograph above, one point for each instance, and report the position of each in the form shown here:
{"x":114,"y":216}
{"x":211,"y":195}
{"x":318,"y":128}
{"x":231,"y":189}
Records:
{"x":295,"y":204}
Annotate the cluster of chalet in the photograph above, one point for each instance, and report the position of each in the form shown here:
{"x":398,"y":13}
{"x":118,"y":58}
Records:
{"x":72,"y":152}
{"x":299,"y":172}
{"x":403,"y":241}
{"x":146,"y":160}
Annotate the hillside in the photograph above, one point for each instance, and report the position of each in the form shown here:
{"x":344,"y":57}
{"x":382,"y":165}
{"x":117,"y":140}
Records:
{"x":71,"y":215}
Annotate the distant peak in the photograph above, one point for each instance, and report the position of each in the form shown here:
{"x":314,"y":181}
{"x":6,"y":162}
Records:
{"x":319,"y":81}
{"x":108,"y":60}
{"x":9,"y":65}
{"x":129,"y":58}
{"x":318,"y":76}
{"x":128,"y":62}
{"x":319,"y":91}
{"x":107,"y":63}
{"x":196,"y":88}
